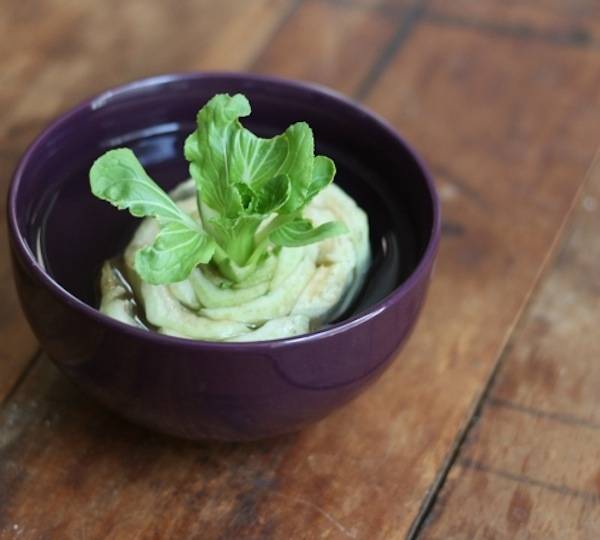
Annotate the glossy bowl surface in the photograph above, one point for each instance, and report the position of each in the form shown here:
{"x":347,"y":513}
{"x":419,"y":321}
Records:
{"x":59,"y":235}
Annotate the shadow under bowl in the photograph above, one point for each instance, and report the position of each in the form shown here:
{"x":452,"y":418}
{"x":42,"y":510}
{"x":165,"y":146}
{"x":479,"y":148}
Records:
{"x":60,"y":235}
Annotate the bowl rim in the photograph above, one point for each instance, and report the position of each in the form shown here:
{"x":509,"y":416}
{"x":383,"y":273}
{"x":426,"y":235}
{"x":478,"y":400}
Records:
{"x":101,"y":99}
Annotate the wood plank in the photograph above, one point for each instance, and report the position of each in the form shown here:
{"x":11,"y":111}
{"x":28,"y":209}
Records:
{"x":576,"y":22}
{"x":558,"y":356}
{"x":338,"y":51}
{"x":523,"y":509}
{"x":56,"y":53}
{"x":510,"y":153}
{"x":529,"y":468}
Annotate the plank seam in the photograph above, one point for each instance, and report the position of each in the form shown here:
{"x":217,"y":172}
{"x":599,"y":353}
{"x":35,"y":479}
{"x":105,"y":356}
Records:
{"x":577,"y":37}
{"x":373,"y":8}
{"x":21,"y":378}
{"x":292,"y":9}
{"x":411,"y":16}
{"x":563,"y":418}
{"x":430,"y":499}
{"x":438,"y":483}
{"x":527,"y":480}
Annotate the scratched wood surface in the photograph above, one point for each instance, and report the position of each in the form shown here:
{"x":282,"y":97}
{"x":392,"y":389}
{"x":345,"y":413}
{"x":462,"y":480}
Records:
{"x":505,"y":109}
{"x":529,"y":465}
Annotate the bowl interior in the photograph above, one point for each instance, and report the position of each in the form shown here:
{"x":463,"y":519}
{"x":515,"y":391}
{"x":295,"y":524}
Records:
{"x":71,"y":233}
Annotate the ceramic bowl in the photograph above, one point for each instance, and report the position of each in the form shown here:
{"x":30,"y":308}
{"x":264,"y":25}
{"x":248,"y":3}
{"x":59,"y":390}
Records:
{"x":60,"y":234}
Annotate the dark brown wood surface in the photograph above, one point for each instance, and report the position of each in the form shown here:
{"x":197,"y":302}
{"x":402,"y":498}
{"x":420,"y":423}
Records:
{"x":503,"y":100}
{"x":529,"y":466}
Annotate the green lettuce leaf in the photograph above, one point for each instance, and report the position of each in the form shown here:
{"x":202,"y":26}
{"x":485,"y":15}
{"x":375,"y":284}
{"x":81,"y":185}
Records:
{"x":175,"y":252}
{"x":236,"y":236}
{"x":322,"y":175}
{"x":119,"y":178}
{"x":242,"y":178}
{"x":301,"y":232}
{"x":222,"y":153}
{"x":251,"y":193}
{"x":271,"y":195}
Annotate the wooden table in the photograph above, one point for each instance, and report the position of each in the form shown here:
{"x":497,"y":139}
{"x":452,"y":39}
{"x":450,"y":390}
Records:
{"x":488,"y":426}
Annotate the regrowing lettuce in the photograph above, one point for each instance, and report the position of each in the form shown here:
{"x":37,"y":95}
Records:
{"x":251,"y":193}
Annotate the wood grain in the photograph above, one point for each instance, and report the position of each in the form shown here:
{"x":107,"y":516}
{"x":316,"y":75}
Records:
{"x":575,"y":22}
{"x":529,"y":467}
{"x":523,"y":509}
{"x":560,"y":345}
{"x":509,"y":131}
{"x":56,"y":52}
{"x":342,"y":44}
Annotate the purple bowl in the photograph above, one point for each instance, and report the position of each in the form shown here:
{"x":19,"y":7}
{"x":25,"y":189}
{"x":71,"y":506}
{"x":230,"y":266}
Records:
{"x":60,"y":234}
